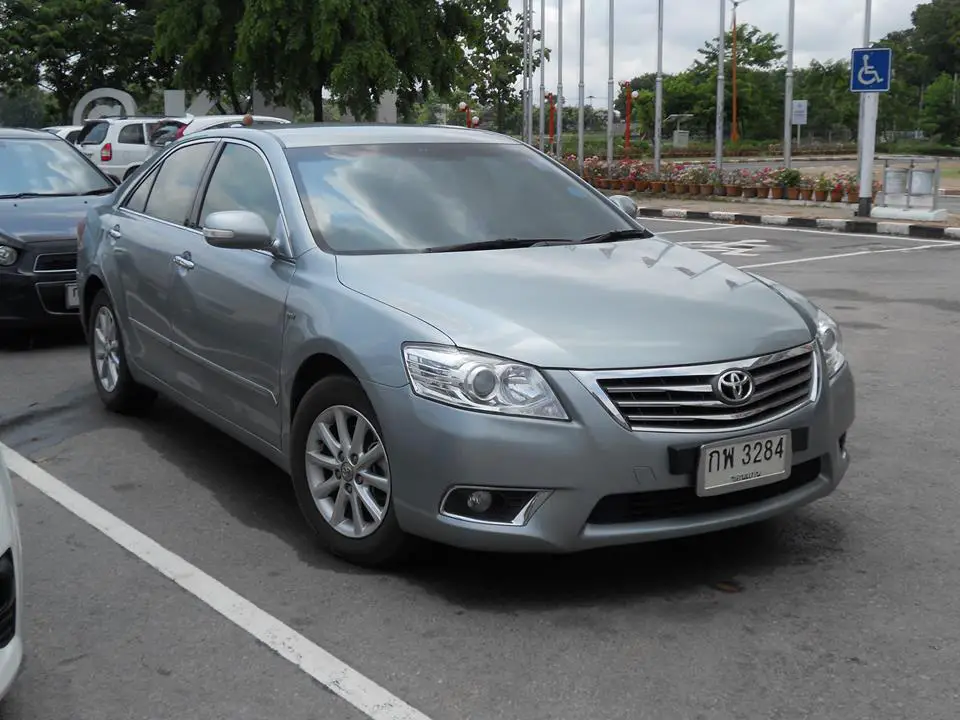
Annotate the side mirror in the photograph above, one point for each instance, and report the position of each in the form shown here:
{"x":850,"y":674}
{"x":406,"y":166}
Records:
{"x":237,"y":230}
{"x":625,"y":203}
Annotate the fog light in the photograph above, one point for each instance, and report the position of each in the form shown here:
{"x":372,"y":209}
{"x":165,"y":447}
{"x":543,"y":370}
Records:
{"x":479,"y":501}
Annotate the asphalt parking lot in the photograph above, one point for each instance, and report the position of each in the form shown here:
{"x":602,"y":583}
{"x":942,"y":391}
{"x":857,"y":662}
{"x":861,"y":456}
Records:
{"x":849,"y":608}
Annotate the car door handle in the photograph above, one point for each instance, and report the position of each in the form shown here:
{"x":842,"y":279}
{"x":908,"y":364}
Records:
{"x":183,"y":262}
{"x":114,"y":232}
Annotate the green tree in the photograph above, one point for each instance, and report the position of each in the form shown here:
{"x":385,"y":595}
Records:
{"x":939,"y":116}
{"x":356,"y":49}
{"x":936,"y":36}
{"x":495,"y":60}
{"x":68,"y":47}
{"x":200,"y":37}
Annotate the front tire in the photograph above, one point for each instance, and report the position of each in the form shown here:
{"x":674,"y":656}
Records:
{"x":341,"y":474}
{"x":118,"y":391}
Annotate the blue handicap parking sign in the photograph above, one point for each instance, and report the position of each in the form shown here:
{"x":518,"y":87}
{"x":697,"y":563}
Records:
{"x":871,"y":70}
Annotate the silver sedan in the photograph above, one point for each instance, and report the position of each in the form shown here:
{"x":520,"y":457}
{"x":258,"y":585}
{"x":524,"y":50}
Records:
{"x":441,"y":333}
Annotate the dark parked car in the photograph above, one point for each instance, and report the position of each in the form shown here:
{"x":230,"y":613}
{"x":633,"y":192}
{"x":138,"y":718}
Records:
{"x":46,"y":188}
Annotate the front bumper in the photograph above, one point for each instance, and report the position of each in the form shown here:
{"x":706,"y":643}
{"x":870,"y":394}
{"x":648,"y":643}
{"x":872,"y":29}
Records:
{"x":591,"y":466}
{"x":33,"y":292}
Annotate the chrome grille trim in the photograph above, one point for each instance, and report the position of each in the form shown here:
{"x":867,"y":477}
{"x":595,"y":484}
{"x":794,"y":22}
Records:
{"x":66,"y":260}
{"x":680,"y":399}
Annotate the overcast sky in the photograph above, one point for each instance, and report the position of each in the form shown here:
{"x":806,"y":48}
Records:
{"x":825,"y":29}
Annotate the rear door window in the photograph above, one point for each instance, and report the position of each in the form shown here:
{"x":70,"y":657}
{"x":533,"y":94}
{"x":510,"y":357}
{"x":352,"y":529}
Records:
{"x":131,"y":134}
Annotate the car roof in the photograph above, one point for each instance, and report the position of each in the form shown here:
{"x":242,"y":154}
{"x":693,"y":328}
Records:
{"x":129,"y":118}
{"x":327,"y":134}
{"x":9,"y":133}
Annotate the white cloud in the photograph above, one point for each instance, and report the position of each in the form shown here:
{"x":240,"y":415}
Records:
{"x":825,"y":29}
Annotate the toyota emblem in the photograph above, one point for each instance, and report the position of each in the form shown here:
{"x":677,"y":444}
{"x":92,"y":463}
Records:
{"x":734,"y":387}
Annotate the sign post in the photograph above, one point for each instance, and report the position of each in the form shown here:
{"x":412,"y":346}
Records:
{"x":798,"y":115}
{"x":870,"y":74}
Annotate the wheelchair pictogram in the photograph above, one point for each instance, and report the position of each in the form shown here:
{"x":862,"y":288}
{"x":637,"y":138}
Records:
{"x":867,"y":74}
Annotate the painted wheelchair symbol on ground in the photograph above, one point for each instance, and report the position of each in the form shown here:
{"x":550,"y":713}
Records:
{"x":742,"y":248}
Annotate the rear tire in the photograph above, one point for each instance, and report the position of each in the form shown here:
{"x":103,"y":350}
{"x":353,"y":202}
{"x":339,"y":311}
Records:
{"x":347,"y":475}
{"x":118,"y":391}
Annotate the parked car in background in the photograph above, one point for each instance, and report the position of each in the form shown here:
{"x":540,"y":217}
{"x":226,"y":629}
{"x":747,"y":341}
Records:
{"x":171,"y":129}
{"x":118,"y":146}
{"x":46,"y":188}
{"x":443,"y":333}
{"x":11,"y":584}
{"x":70,"y":133}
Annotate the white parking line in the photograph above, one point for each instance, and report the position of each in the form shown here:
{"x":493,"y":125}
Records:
{"x":777,"y":228}
{"x":938,"y":246}
{"x":358,"y":690}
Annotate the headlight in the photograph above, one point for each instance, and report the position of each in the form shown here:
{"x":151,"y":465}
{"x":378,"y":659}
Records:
{"x":480,"y":382}
{"x":830,"y":339}
{"x":8,"y":255}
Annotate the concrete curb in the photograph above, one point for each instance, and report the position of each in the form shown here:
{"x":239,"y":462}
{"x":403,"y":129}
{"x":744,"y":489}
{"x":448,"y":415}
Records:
{"x":866,"y":227}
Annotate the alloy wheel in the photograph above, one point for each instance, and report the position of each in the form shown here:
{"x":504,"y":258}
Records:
{"x":106,"y":349}
{"x":348,"y":472}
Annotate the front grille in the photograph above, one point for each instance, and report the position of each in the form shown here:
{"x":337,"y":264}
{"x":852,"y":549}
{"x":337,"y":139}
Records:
{"x":55,"y":262}
{"x":683,"y":398}
{"x":684,"y":502}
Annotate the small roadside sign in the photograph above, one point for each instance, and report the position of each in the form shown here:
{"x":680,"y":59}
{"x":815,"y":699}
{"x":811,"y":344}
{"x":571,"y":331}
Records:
{"x":799,"y":112}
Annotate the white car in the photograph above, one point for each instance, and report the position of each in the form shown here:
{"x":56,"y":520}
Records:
{"x":171,"y":129}
{"x":118,"y":146}
{"x":70,"y":133}
{"x":11,"y":585}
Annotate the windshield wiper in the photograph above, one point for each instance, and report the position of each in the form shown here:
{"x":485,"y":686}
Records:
{"x":498,"y":244}
{"x":100,"y":191}
{"x":614,"y":235}
{"x":18,"y":196}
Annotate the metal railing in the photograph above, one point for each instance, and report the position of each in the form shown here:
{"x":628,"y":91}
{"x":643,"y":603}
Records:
{"x":910,"y":182}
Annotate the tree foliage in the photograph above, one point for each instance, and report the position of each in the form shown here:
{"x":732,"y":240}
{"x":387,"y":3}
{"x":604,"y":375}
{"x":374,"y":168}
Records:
{"x":356,"y":49}
{"x":68,"y":47}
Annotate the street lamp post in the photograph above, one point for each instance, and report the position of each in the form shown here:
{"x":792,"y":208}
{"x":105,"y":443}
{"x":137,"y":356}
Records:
{"x":631,"y":96}
{"x":788,"y":89}
{"x":610,"y":91}
{"x":721,"y":65}
{"x":658,"y":111}
{"x":543,"y":66}
{"x":559,"y":101}
{"x":580,"y":116}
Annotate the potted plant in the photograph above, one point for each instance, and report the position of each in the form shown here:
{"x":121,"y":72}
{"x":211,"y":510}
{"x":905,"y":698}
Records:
{"x":656,"y":182}
{"x":806,"y":188}
{"x":641,"y":177}
{"x":775,"y":184}
{"x":821,"y":186}
{"x":790,"y":178}
{"x":836,"y":189}
{"x":732,"y":183}
{"x":748,"y":180}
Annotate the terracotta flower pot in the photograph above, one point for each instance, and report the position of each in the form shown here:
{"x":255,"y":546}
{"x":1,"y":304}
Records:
{"x":749,"y":191}
{"x":719,"y":190}
{"x":682,"y":188}
{"x":763,"y":192}
{"x":805,"y":193}
{"x":602,"y":183}
{"x":733,"y":190}
{"x":793,"y":193}
{"x":671,"y":187}
{"x":853,"y":196}
{"x":656,"y":186}
{"x":776,"y":193}
{"x":641,"y":185}
{"x":836,"y":195}
{"x":820,"y":195}
{"x":706,"y":189}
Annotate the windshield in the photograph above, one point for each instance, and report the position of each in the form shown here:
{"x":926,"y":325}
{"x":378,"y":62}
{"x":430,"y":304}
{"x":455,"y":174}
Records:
{"x":411,"y":197}
{"x":46,"y":167}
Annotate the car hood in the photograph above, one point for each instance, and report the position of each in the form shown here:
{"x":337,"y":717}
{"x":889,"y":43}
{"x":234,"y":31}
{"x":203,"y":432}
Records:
{"x":637,"y":303}
{"x":39,"y":219}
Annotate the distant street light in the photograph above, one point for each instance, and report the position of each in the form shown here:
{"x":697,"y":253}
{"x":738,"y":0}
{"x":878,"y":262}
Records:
{"x":721,"y":51}
{"x":658,"y":102}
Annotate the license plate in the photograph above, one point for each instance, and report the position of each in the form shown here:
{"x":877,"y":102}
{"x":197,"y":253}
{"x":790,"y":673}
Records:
{"x":743,"y":463}
{"x":72,"y":297}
